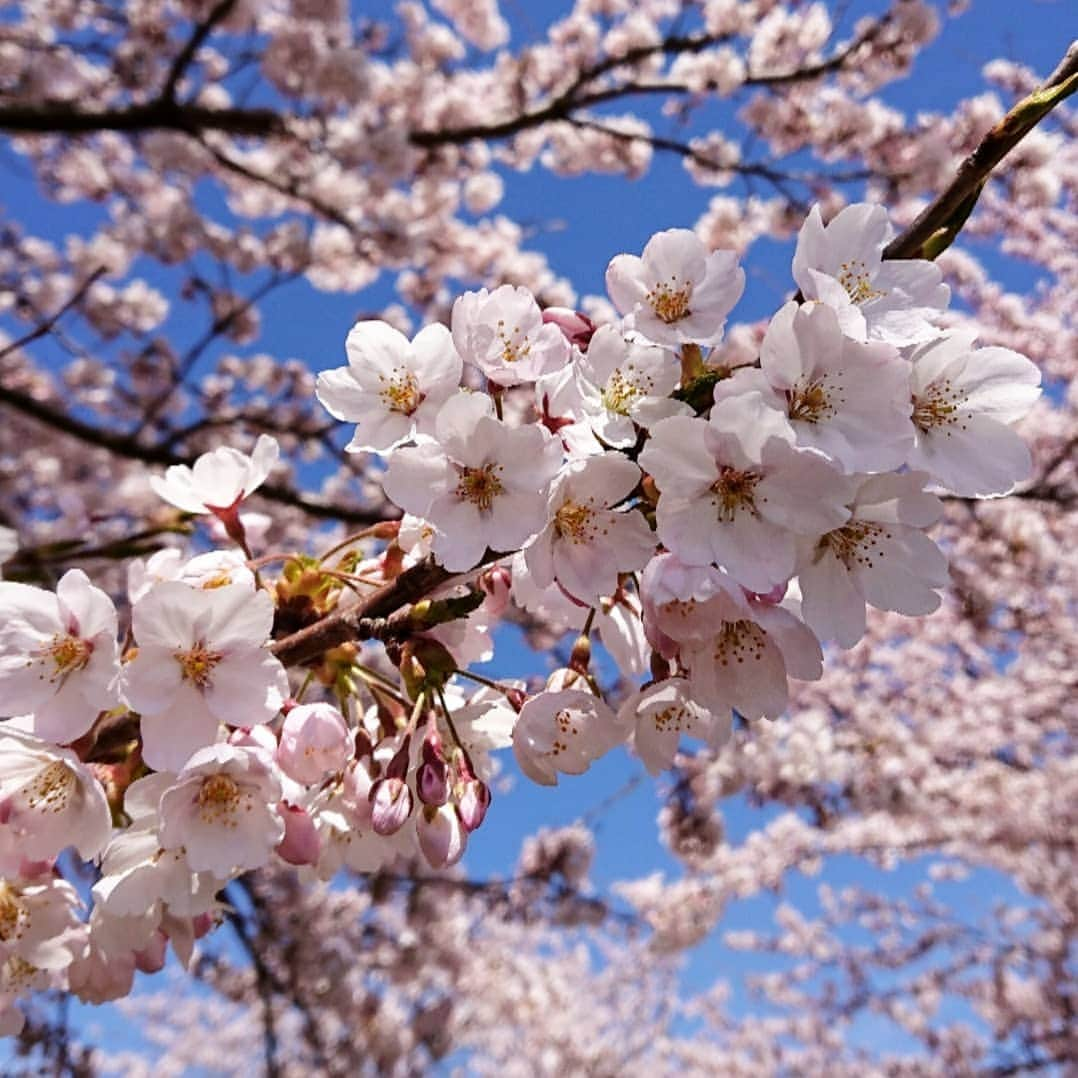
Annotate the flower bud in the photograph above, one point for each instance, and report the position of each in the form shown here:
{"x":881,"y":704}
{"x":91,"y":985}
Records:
{"x":432,"y":778}
{"x":357,"y":793}
{"x":472,"y":804}
{"x":496,"y":584}
{"x":441,"y":836}
{"x":576,"y":326}
{"x":391,"y":805}
{"x":151,"y":959}
{"x":314,"y":742}
{"x":301,"y":844}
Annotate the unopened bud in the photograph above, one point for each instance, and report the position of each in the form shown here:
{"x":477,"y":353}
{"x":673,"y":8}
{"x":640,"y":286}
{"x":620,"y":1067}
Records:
{"x":391,"y":805}
{"x":301,"y":844}
{"x":580,"y":657}
{"x":473,"y":802}
{"x":151,"y":958}
{"x":397,"y":768}
{"x":432,"y":778}
{"x":441,"y":836}
{"x":388,"y":529}
{"x":576,"y":326}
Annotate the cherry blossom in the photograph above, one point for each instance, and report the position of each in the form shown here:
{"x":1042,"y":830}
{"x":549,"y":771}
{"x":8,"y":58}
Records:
{"x":587,"y":543}
{"x":846,"y":399}
{"x":391,"y":388}
{"x":481,"y":484}
{"x":201,"y":662}
{"x":964,"y":403}
{"x":563,"y":731}
{"x":623,"y":384}
{"x":314,"y":741}
{"x":39,"y":923}
{"x":58,"y":654}
{"x":841,"y":264}
{"x":244,"y":159}
{"x":880,"y":556}
{"x":733,"y":490}
{"x":218,"y":481}
{"x":222,"y":810}
{"x":676,"y":292}
{"x":504,"y":335}
{"x":49,"y":799}
{"x":661,"y":713}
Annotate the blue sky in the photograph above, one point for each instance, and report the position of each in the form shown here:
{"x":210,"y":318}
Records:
{"x":580,"y":224}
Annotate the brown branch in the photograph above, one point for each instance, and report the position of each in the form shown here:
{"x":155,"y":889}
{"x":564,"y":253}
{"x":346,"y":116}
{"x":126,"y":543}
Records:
{"x":125,"y":446}
{"x":940,"y":222}
{"x":63,"y":119}
{"x":561,"y":106}
{"x":46,"y":326}
{"x":186,"y":55}
{"x":355,"y":622}
{"x":739,"y":168}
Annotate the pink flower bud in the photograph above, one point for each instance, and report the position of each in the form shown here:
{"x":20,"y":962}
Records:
{"x":201,"y":924}
{"x":772,"y":597}
{"x":496,"y":582}
{"x":357,"y":793}
{"x":391,"y":805}
{"x":260,"y":738}
{"x":301,"y":844}
{"x":576,"y":326}
{"x":151,"y":959}
{"x":432,"y":782}
{"x":473,"y":802}
{"x":441,"y":836}
{"x":397,"y":768}
{"x":314,"y":742}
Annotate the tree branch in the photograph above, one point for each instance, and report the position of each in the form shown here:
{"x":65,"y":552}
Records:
{"x":125,"y":446}
{"x":937,"y":226}
{"x":63,"y":119}
{"x":186,"y":55}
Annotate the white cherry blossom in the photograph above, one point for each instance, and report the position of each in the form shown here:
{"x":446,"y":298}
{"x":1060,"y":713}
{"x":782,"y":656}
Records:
{"x":222,"y":810}
{"x":588,"y":543}
{"x":214,"y":569}
{"x":660,"y":713}
{"x":846,"y":399}
{"x":219,"y":480}
{"x":480,"y":484}
{"x":392,"y":388}
{"x":734,"y":491}
{"x":138,"y":875}
{"x":750,"y":650}
{"x":59,"y":657}
{"x":563,"y":731}
{"x":880,"y":556}
{"x":841,"y":264}
{"x":964,"y":402}
{"x":623,"y":383}
{"x":49,"y":799}
{"x":504,"y":335}
{"x":676,"y":292}
{"x":201,"y":661}
{"x":39,"y":923}
{"x":314,"y":741}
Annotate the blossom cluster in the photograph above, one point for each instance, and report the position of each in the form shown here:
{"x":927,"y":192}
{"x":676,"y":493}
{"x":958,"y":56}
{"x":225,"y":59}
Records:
{"x":714,"y":527}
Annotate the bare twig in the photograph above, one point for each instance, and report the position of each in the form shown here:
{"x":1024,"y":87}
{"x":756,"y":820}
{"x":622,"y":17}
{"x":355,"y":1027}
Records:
{"x":46,"y":326}
{"x":186,"y":55}
{"x":125,"y":446}
{"x":64,"y":119}
{"x":940,"y":222}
